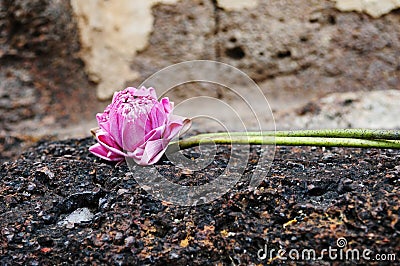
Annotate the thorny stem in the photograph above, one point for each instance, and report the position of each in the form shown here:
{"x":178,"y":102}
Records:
{"x":361,"y":138}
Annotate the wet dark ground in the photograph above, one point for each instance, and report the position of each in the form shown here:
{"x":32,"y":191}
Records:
{"x":310,"y":198}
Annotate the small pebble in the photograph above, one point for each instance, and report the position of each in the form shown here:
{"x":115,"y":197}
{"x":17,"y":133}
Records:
{"x":129,"y":241}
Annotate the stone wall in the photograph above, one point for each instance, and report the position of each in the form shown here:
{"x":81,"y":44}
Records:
{"x":58,"y":58}
{"x":42,"y":80}
{"x":289,"y":44}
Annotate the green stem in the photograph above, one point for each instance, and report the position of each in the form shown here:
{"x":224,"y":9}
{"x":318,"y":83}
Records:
{"x":328,"y":133}
{"x":290,"y":141}
{"x":361,"y":138}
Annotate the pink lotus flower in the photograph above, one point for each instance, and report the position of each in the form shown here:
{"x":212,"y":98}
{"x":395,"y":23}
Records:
{"x":137,"y":126}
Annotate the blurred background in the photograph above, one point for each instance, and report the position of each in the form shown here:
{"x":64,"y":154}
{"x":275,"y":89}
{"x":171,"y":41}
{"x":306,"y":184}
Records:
{"x":320,"y":63}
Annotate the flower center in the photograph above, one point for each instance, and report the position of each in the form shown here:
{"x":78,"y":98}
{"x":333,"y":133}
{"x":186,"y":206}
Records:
{"x":136,"y":106}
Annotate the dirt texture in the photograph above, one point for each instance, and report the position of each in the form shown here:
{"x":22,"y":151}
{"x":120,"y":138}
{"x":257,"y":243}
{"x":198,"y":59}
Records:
{"x":309,"y":199}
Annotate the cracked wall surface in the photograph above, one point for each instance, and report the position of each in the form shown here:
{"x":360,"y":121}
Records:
{"x":375,"y":8}
{"x":237,"y":4}
{"x":362,"y":109}
{"x":292,"y":45}
{"x":110,"y":38}
{"x":305,"y":45}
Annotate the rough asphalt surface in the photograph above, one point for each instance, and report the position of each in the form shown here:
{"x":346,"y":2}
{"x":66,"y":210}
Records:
{"x":309,"y":199}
